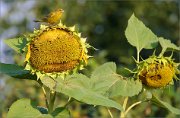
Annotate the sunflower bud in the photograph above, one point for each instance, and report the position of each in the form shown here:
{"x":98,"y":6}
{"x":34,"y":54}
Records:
{"x":157,"y":72}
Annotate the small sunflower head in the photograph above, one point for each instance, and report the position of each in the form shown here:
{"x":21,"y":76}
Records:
{"x":157,"y":72}
{"x":56,"y":49}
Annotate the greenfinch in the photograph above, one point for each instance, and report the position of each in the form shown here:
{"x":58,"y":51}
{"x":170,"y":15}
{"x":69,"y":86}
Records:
{"x":53,"y":17}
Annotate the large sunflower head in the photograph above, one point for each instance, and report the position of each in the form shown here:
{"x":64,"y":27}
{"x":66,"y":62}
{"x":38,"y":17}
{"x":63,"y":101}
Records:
{"x":56,"y":49}
{"x":157,"y":72}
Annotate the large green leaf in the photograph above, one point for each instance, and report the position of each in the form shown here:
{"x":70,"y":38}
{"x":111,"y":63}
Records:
{"x":139,"y":35}
{"x":165,"y":105}
{"x":23,"y":108}
{"x":103,"y":77}
{"x":106,"y":81}
{"x":166,"y":44}
{"x":128,"y":87}
{"x":48,"y":81}
{"x":79,"y":87}
{"x":17,"y":44}
{"x":103,"y":70}
{"x":16,"y":71}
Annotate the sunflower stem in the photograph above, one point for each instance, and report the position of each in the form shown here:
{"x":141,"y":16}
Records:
{"x":70,"y":100}
{"x":110,"y":113}
{"x":138,"y":55}
{"x":124,"y":113}
{"x":124,"y":107}
{"x":45,"y":96}
{"x":51,"y":101}
{"x":44,"y":92}
{"x":133,"y":105}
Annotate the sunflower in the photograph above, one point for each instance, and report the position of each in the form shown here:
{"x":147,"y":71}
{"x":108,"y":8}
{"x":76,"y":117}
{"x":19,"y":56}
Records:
{"x":56,"y":49}
{"x":157,"y":72}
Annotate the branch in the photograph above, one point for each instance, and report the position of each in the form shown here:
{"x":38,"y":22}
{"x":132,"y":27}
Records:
{"x":133,"y":105}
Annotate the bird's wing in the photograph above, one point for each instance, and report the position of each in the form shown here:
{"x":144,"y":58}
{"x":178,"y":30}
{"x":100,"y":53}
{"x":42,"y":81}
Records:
{"x":45,"y":18}
{"x":51,"y":14}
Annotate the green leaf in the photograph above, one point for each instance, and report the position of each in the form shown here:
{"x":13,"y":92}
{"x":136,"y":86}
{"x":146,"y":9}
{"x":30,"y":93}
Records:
{"x":16,"y":71}
{"x":79,"y":87}
{"x":139,"y":35}
{"x":61,"y":112}
{"x":128,"y":87}
{"x":106,"y":82}
{"x":23,"y":108}
{"x":103,"y":77}
{"x":166,"y":44}
{"x":17,"y":44}
{"x":103,"y":70}
{"x":165,"y":105}
{"x":48,"y":81}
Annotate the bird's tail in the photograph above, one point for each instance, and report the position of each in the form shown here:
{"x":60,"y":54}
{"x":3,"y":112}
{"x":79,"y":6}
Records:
{"x":38,"y":20}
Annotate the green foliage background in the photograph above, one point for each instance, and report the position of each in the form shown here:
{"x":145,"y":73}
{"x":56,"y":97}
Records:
{"x":103,"y":22}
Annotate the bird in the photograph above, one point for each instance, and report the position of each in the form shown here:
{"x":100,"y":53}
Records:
{"x":53,"y":17}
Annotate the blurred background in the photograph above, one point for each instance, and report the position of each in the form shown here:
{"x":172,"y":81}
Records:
{"x":103,"y":22}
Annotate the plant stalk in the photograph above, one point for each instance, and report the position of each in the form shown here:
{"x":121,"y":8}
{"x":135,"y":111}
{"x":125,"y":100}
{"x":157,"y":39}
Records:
{"x":138,"y":55}
{"x":124,"y":107}
{"x":69,"y":101}
{"x":110,"y":113}
{"x":124,"y":113}
{"x":44,"y":92}
{"x":133,"y":105}
{"x":51,"y":101}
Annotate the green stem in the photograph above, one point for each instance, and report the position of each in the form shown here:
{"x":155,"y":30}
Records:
{"x":138,"y":55}
{"x":69,"y":101}
{"x":124,"y":107}
{"x":110,"y":113}
{"x":162,"y":52}
{"x":51,"y":101}
{"x":133,"y":105}
{"x":44,"y":92}
{"x":124,"y":113}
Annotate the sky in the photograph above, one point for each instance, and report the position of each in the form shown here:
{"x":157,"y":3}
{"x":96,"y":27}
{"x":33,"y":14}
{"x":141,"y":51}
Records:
{"x":14,"y":13}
